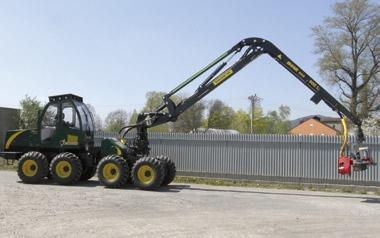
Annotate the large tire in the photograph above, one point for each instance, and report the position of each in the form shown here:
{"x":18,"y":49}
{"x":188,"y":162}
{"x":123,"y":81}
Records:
{"x":113,"y":171}
{"x":32,"y":167}
{"x":148,"y":173}
{"x":170,"y":169}
{"x":88,"y":172}
{"x":66,"y":168}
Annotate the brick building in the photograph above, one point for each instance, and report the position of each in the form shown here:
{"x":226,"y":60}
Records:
{"x":316,"y":125}
{"x":8,"y":121}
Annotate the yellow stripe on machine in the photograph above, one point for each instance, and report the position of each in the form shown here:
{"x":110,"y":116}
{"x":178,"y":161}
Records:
{"x":344,"y":135}
{"x":222,"y":77}
{"x":118,"y":151}
{"x":12,"y":138}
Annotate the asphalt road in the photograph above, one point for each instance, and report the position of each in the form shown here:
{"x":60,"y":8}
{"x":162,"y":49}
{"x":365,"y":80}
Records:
{"x":181,"y":210}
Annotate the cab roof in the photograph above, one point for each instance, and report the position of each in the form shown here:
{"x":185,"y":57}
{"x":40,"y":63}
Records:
{"x":65,"y":97}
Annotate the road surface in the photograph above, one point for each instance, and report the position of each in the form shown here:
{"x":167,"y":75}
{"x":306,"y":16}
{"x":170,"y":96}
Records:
{"x":181,"y":210}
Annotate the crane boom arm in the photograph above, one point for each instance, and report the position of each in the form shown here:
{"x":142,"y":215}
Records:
{"x":252,"y":48}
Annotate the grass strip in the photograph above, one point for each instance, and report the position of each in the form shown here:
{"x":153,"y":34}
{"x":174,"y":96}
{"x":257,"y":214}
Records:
{"x":280,"y":185}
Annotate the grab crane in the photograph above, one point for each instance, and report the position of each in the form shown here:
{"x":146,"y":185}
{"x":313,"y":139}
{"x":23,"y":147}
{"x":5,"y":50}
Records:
{"x":250,"y":49}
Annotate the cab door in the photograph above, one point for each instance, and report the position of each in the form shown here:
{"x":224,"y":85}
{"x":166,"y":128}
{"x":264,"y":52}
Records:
{"x":70,"y":130}
{"x":49,"y":123}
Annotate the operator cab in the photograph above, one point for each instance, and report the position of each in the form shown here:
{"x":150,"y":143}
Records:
{"x":66,"y":122}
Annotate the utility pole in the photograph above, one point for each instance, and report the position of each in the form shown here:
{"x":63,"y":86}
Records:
{"x":254,"y":100}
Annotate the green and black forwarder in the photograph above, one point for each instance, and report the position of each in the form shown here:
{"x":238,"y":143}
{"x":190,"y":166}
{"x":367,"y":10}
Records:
{"x":63,"y":148}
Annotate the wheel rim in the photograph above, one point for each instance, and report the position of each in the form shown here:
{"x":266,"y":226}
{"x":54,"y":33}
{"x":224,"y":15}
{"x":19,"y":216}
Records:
{"x":29,"y":168}
{"x":146,"y":174}
{"x":111,"y":172}
{"x":63,"y":169}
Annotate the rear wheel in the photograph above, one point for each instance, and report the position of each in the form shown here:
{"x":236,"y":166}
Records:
{"x":66,"y":168}
{"x":113,"y":171}
{"x":170,"y":169}
{"x":32,"y":167}
{"x":148,"y":173}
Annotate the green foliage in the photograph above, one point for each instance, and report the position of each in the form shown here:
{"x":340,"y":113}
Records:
{"x":116,"y":120}
{"x":220,"y":115}
{"x":134,"y":116}
{"x":242,"y":121}
{"x":153,"y":100}
{"x":191,"y":119}
{"x":284,"y":112}
{"x":28,"y":115}
{"x":275,"y":122}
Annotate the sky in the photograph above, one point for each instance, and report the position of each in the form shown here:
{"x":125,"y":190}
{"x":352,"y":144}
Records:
{"x":113,"y":52}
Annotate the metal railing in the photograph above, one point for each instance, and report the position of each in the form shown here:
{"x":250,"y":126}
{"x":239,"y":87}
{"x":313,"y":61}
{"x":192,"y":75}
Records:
{"x":285,"y":158}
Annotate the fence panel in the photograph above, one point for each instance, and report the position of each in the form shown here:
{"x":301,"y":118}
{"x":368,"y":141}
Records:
{"x":286,"y":158}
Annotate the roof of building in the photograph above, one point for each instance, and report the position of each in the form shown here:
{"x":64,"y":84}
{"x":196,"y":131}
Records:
{"x":322,"y":122}
{"x":321,"y":118}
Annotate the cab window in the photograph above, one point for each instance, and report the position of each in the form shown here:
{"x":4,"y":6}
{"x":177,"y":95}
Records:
{"x":70,"y":116}
{"x":87,"y":122}
{"x":49,"y":122}
{"x":50,"y":117}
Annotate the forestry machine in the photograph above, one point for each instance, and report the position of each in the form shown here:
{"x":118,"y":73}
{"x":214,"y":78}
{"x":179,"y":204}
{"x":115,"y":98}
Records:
{"x":63,"y":147}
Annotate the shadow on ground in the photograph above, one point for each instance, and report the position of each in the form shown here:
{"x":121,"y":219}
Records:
{"x":95,"y":183}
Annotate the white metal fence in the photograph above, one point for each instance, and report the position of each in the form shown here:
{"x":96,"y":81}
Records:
{"x":286,"y":158}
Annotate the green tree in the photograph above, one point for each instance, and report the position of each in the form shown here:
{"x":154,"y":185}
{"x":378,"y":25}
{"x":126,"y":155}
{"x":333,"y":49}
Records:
{"x":348,"y":44}
{"x":28,"y":115}
{"x":134,"y":116}
{"x":277,"y":121}
{"x":261,"y":125}
{"x":191,"y":119}
{"x":274,"y":122}
{"x":284,"y":112}
{"x":242,"y":121}
{"x":153,"y":101}
{"x":116,"y":120}
{"x":220,"y":115}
